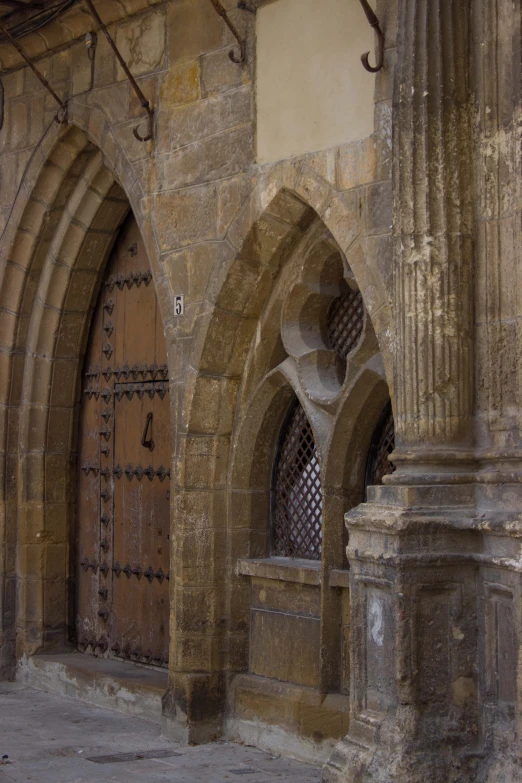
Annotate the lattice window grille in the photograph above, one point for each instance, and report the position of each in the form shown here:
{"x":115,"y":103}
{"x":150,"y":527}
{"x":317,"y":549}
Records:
{"x":345,"y":322}
{"x":297,"y":493}
{"x":382,"y":446}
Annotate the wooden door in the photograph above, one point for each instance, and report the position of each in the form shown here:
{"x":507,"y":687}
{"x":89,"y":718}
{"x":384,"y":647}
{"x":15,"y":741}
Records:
{"x":122,"y":602}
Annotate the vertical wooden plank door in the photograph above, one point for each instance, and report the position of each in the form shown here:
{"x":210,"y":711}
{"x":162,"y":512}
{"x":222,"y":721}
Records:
{"x":122,"y":597}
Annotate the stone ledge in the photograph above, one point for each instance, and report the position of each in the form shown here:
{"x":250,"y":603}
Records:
{"x":304,"y":572}
{"x":339,"y":577}
{"x":122,"y":686}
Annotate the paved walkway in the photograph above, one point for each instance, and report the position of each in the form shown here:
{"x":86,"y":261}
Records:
{"x":50,"y":739}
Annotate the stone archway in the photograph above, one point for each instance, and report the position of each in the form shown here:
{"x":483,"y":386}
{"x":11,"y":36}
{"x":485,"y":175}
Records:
{"x":67,"y":215}
{"x":271,"y":223}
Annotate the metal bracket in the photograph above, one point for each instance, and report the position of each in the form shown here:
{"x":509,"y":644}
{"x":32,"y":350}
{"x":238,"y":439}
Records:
{"x":141,"y":97}
{"x":147,"y":444}
{"x":218,"y":7}
{"x":373,"y":22}
{"x":61,"y":114}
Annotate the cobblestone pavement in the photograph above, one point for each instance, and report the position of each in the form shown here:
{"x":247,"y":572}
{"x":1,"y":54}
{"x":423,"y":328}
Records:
{"x":50,"y":739}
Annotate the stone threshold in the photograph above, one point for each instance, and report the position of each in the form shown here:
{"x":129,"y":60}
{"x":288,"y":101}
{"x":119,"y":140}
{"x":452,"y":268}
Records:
{"x":122,"y":686}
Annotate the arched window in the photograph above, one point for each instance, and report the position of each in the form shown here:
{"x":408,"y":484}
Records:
{"x":383,"y":443}
{"x":297,"y":494}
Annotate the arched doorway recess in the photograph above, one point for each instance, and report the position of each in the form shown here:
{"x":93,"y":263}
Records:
{"x":70,"y":214}
{"x":123,"y":532}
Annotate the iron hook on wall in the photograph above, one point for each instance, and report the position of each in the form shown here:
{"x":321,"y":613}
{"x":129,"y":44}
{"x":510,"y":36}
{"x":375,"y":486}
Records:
{"x":141,"y":97}
{"x":218,"y":7}
{"x":373,"y":22}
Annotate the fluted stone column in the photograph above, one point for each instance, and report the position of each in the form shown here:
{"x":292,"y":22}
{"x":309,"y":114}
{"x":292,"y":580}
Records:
{"x":433,"y":195}
{"x":413,"y":547}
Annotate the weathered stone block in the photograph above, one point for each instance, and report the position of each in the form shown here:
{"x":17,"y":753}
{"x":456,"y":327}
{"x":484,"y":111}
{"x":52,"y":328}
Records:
{"x":112,"y":100}
{"x":57,"y":521}
{"x":13,"y":84}
{"x":69,"y":335}
{"x":272,"y":594}
{"x":193,"y":28}
{"x":80,"y":292}
{"x":201,"y":509}
{"x":219,"y":73}
{"x":379,"y":208}
{"x":141,"y":42}
{"x":211,"y":159}
{"x":343,"y":218}
{"x":185,"y":216}
{"x":35,"y":421}
{"x":60,"y":430}
{"x":32,"y":560}
{"x":204,"y":462}
{"x":33,"y":477}
{"x":63,"y":393}
{"x":250,"y":510}
{"x":293,"y":655}
{"x":55,"y":563}
{"x":200,"y":610}
{"x":56,"y":478}
{"x":357,"y":164}
{"x":213,"y":402}
{"x":325,"y":721}
{"x":181,"y":84}
{"x":212,"y":115}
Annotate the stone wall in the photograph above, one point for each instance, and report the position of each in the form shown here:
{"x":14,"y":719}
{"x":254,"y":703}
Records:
{"x":220,"y":229}
{"x":411,"y":652}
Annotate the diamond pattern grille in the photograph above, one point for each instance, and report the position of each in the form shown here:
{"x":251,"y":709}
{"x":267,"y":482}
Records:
{"x":298,"y":498}
{"x":383,"y":445}
{"x":345,"y":321}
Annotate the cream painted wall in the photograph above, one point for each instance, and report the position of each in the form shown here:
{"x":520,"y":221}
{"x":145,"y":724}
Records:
{"x":312,"y":90}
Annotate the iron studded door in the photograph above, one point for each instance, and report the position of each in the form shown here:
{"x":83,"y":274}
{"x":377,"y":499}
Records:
{"x":124,"y":476}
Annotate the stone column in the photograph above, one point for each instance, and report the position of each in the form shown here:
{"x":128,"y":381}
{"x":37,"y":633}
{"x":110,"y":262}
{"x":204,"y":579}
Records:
{"x":497,"y":103}
{"x":433,"y":192}
{"x":414,"y":546}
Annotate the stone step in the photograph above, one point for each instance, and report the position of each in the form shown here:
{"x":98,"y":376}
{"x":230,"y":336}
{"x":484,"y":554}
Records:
{"x":122,"y":686}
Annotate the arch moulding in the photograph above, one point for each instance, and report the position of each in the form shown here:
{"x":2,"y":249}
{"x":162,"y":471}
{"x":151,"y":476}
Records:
{"x":76,"y":190}
{"x":277,"y":214}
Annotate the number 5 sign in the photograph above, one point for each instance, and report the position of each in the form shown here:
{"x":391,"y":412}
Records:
{"x":179,"y":305}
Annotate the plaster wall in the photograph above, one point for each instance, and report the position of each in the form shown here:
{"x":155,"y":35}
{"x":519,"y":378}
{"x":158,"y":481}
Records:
{"x":311,"y":90}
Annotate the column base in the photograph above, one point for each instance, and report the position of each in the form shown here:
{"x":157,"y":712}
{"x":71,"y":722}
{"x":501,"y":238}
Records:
{"x":193,"y":708}
{"x":179,"y":730}
{"x":435,"y":592}
{"x":391,"y":760}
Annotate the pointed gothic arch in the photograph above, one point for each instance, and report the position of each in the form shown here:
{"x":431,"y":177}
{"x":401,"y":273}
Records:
{"x":211,"y":532}
{"x":65,"y":219}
